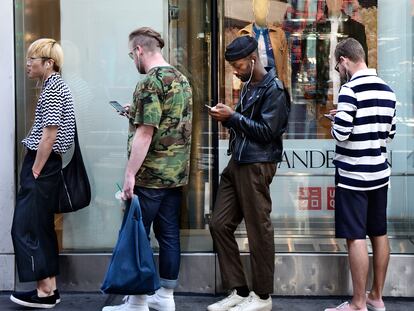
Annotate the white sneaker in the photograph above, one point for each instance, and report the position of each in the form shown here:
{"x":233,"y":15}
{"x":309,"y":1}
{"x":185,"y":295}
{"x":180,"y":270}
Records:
{"x":254,"y":303}
{"x":225,"y":304}
{"x":131,"y":303}
{"x":162,"y":300}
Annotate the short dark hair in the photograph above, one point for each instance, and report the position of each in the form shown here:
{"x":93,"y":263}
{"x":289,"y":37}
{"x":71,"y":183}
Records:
{"x":146,"y":37}
{"x":350,"y":48}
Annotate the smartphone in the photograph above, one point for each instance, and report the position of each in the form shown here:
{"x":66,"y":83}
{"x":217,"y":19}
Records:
{"x":118,"y":107}
{"x":209,"y":107}
{"x":329,"y":116}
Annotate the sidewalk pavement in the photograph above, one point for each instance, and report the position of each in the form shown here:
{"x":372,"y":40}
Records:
{"x":96,"y":301}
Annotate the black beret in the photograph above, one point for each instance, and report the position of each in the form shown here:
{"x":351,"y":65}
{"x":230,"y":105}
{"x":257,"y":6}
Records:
{"x":240,"y":47}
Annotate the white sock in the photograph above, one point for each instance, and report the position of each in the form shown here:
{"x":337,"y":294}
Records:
{"x":165,"y":292}
{"x":138,"y":300}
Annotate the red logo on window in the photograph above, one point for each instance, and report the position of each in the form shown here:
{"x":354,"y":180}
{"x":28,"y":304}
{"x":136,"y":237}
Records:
{"x":310,"y":198}
{"x":330,"y":198}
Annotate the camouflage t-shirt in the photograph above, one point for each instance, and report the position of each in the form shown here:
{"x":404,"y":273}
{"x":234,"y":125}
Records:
{"x":163,"y":99}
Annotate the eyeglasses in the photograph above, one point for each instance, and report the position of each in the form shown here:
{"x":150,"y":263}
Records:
{"x":337,"y":66}
{"x":131,"y":54}
{"x":30,"y":60}
{"x":338,"y":63}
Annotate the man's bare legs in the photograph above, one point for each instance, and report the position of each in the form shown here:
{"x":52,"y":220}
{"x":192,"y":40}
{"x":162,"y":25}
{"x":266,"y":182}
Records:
{"x":381,"y":257}
{"x":359,"y":264}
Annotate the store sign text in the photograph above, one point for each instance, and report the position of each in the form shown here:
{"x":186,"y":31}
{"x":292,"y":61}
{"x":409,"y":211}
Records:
{"x":312,"y":159}
{"x":310,"y":198}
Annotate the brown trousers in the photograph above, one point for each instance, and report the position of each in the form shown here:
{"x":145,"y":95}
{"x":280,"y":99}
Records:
{"x":244,"y":194}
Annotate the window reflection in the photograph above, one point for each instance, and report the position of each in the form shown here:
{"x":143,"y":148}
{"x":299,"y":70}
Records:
{"x":303,"y":189}
{"x":99,"y":70}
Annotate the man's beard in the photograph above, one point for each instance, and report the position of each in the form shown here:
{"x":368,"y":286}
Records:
{"x":344,"y":77}
{"x":140,"y":70}
{"x":139,"y":67}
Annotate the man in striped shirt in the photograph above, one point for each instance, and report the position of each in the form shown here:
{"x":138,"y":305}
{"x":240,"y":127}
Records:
{"x":364,"y":122}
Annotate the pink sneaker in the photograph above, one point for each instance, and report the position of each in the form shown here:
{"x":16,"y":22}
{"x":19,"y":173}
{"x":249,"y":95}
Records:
{"x":344,"y":307}
{"x":375,"y":305}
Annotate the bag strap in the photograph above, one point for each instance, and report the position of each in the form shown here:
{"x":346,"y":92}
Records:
{"x":76,"y":139}
{"x":77,"y":154}
{"x":131,"y":209}
{"x":135,"y":202}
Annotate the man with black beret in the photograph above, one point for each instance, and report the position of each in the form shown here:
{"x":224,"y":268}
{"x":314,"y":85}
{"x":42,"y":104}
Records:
{"x":256,"y":127}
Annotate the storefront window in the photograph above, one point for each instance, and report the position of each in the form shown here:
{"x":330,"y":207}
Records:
{"x":302,"y":37}
{"x":94,"y":37}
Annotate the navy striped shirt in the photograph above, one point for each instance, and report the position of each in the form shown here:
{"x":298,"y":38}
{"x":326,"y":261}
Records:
{"x":364,"y":123}
{"x":54,"y":108}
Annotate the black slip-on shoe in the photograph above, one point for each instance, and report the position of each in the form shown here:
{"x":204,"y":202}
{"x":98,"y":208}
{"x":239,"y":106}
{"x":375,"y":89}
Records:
{"x":32,"y":300}
{"x":57,"y":295}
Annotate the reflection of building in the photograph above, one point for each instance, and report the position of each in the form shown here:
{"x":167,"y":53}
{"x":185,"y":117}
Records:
{"x":298,"y":15}
{"x":302,"y":193}
{"x":340,"y":27}
{"x":319,"y":61}
{"x":313,"y":29}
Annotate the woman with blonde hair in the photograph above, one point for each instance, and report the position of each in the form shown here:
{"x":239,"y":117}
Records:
{"x":52,"y":134}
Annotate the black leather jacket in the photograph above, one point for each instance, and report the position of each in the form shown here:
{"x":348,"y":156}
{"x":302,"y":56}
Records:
{"x":259,"y":121}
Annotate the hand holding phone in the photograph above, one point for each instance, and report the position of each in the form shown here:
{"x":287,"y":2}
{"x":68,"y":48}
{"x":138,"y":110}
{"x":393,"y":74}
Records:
{"x":119,"y":108}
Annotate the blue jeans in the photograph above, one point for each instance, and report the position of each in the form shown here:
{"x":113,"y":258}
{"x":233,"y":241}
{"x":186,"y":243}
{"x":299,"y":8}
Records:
{"x":161,"y":207}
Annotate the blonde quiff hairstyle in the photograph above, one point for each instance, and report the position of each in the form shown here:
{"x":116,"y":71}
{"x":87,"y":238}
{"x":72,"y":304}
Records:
{"x":48,"y":49}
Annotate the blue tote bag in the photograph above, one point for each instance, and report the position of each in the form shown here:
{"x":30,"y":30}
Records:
{"x":132,"y":268}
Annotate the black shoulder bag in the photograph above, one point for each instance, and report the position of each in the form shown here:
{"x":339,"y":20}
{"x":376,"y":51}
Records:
{"x":75,"y":190}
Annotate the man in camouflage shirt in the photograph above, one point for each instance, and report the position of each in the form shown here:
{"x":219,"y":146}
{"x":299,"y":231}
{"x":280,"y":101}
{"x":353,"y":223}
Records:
{"x":163,"y":100}
{"x":159,"y":144}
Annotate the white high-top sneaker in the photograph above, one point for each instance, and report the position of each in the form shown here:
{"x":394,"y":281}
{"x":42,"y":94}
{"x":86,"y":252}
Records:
{"x":254,"y":303}
{"x":225,"y":304}
{"x":131,"y":303}
{"x":162,"y":300}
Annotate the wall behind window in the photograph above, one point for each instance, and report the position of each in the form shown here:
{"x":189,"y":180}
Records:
{"x":97,"y":68}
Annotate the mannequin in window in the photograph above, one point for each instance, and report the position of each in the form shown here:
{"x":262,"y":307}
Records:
{"x":273,"y":50}
{"x":334,"y":26}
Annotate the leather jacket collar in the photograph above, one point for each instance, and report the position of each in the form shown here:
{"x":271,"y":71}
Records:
{"x":246,"y":103}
